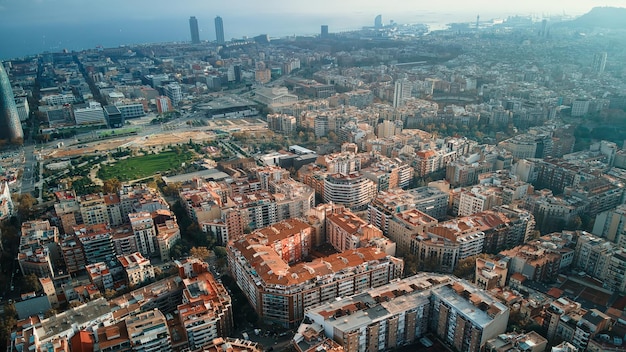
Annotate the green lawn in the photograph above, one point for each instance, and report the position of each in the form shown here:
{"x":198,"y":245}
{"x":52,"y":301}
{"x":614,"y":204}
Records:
{"x":144,"y":166}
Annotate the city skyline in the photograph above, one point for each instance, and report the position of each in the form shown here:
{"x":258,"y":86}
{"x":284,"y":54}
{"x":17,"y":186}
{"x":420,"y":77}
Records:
{"x":35,"y":11}
{"x":41,"y":25}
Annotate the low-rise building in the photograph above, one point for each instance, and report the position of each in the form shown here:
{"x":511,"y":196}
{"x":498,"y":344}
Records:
{"x":137,"y":268}
{"x":100,"y":275}
{"x":490,"y":274}
{"x":516,"y":342}
{"x":148,"y":332}
{"x":533,"y":261}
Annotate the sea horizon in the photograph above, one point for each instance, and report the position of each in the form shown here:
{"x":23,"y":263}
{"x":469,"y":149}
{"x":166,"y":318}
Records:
{"x":54,"y":37}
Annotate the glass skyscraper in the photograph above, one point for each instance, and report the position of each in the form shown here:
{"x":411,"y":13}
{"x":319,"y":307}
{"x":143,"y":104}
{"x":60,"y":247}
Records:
{"x":193,"y":27}
{"x":10,"y":126}
{"x":219,"y":30}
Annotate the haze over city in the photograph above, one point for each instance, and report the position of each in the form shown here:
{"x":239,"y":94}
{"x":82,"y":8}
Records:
{"x":52,"y":25}
{"x":319,"y":176}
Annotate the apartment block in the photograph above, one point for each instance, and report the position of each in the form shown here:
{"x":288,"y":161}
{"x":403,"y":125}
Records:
{"x":100,"y":275}
{"x":404,"y":226}
{"x":476,"y":200}
{"x":466,"y":317}
{"x":428,"y":200}
{"x":351,"y":190}
{"x":592,"y":254}
{"x":556,"y":174}
{"x":168,"y":233}
{"x":280,"y":292}
{"x":231,"y":344}
{"x":148,"y":332}
{"x":137,"y":268}
{"x":139,"y":197}
{"x":533,"y":261}
{"x":611,"y":225}
{"x":402,"y":312}
{"x":206,"y":309}
{"x":345,"y":230}
{"x":124,"y":240}
{"x":35,"y":334}
{"x":145,"y":233}
{"x":73,"y":254}
{"x":97,"y":242}
{"x":599,"y":194}
{"x":490,"y":274}
{"x":38,"y":248}
{"x":100,"y":209}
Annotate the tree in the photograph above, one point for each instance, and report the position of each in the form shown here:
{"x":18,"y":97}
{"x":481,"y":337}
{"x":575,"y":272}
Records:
{"x":171,"y":189}
{"x":50,"y":312}
{"x":575,"y":223}
{"x":200,"y":252}
{"x":411,"y":264}
{"x":177,"y":250}
{"x":220,"y":251}
{"x":112,"y":185}
{"x":7,"y":322}
{"x":26,"y":203}
{"x":465,"y":268}
{"x":109,"y":293}
{"x":31,"y":283}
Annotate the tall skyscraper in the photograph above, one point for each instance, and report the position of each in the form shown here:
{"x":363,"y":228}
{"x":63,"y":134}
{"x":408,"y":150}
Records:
{"x":219,"y":30}
{"x":324,"y":33}
{"x":378,"y":22}
{"x":10,"y":126}
{"x":193,"y":27}
{"x":402,"y":91}
{"x":599,"y":62}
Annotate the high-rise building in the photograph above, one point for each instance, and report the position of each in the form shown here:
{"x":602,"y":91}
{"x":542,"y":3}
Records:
{"x":324,"y":32}
{"x":352,"y":190}
{"x":402,"y":91}
{"x":599,"y":62}
{"x":174,"y":92}
{"x":378,"y":22}
{"x":193,"y":27}
{"x":219,"y":30}
{"x":10,"y":126}
{"x":145,"y":232}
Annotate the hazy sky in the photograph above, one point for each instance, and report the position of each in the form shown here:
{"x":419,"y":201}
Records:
{"x":24,"y":12}
{"x":33,"y":26}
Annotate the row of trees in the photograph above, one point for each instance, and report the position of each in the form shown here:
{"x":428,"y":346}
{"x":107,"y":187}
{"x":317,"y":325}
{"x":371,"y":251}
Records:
{"x":464,"y":269}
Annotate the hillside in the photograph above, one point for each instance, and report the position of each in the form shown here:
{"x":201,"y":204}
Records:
{"x":605,"y":17}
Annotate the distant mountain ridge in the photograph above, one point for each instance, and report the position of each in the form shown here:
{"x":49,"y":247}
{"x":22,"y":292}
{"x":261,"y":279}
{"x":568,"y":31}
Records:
{"x":605,"y":17}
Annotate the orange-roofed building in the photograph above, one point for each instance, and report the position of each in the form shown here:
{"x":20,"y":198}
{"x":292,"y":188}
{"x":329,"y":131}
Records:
{"x":206,"y":312}
{"x":82,"y":342}
{"x":138,"y":269}
{"x":280,"y":292}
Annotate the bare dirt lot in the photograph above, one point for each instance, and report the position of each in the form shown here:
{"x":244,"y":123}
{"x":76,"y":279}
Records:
{"x":134,"y":142}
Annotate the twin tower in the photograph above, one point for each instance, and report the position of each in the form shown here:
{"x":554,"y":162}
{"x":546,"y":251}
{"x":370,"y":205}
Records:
{"x":195,"y":34}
